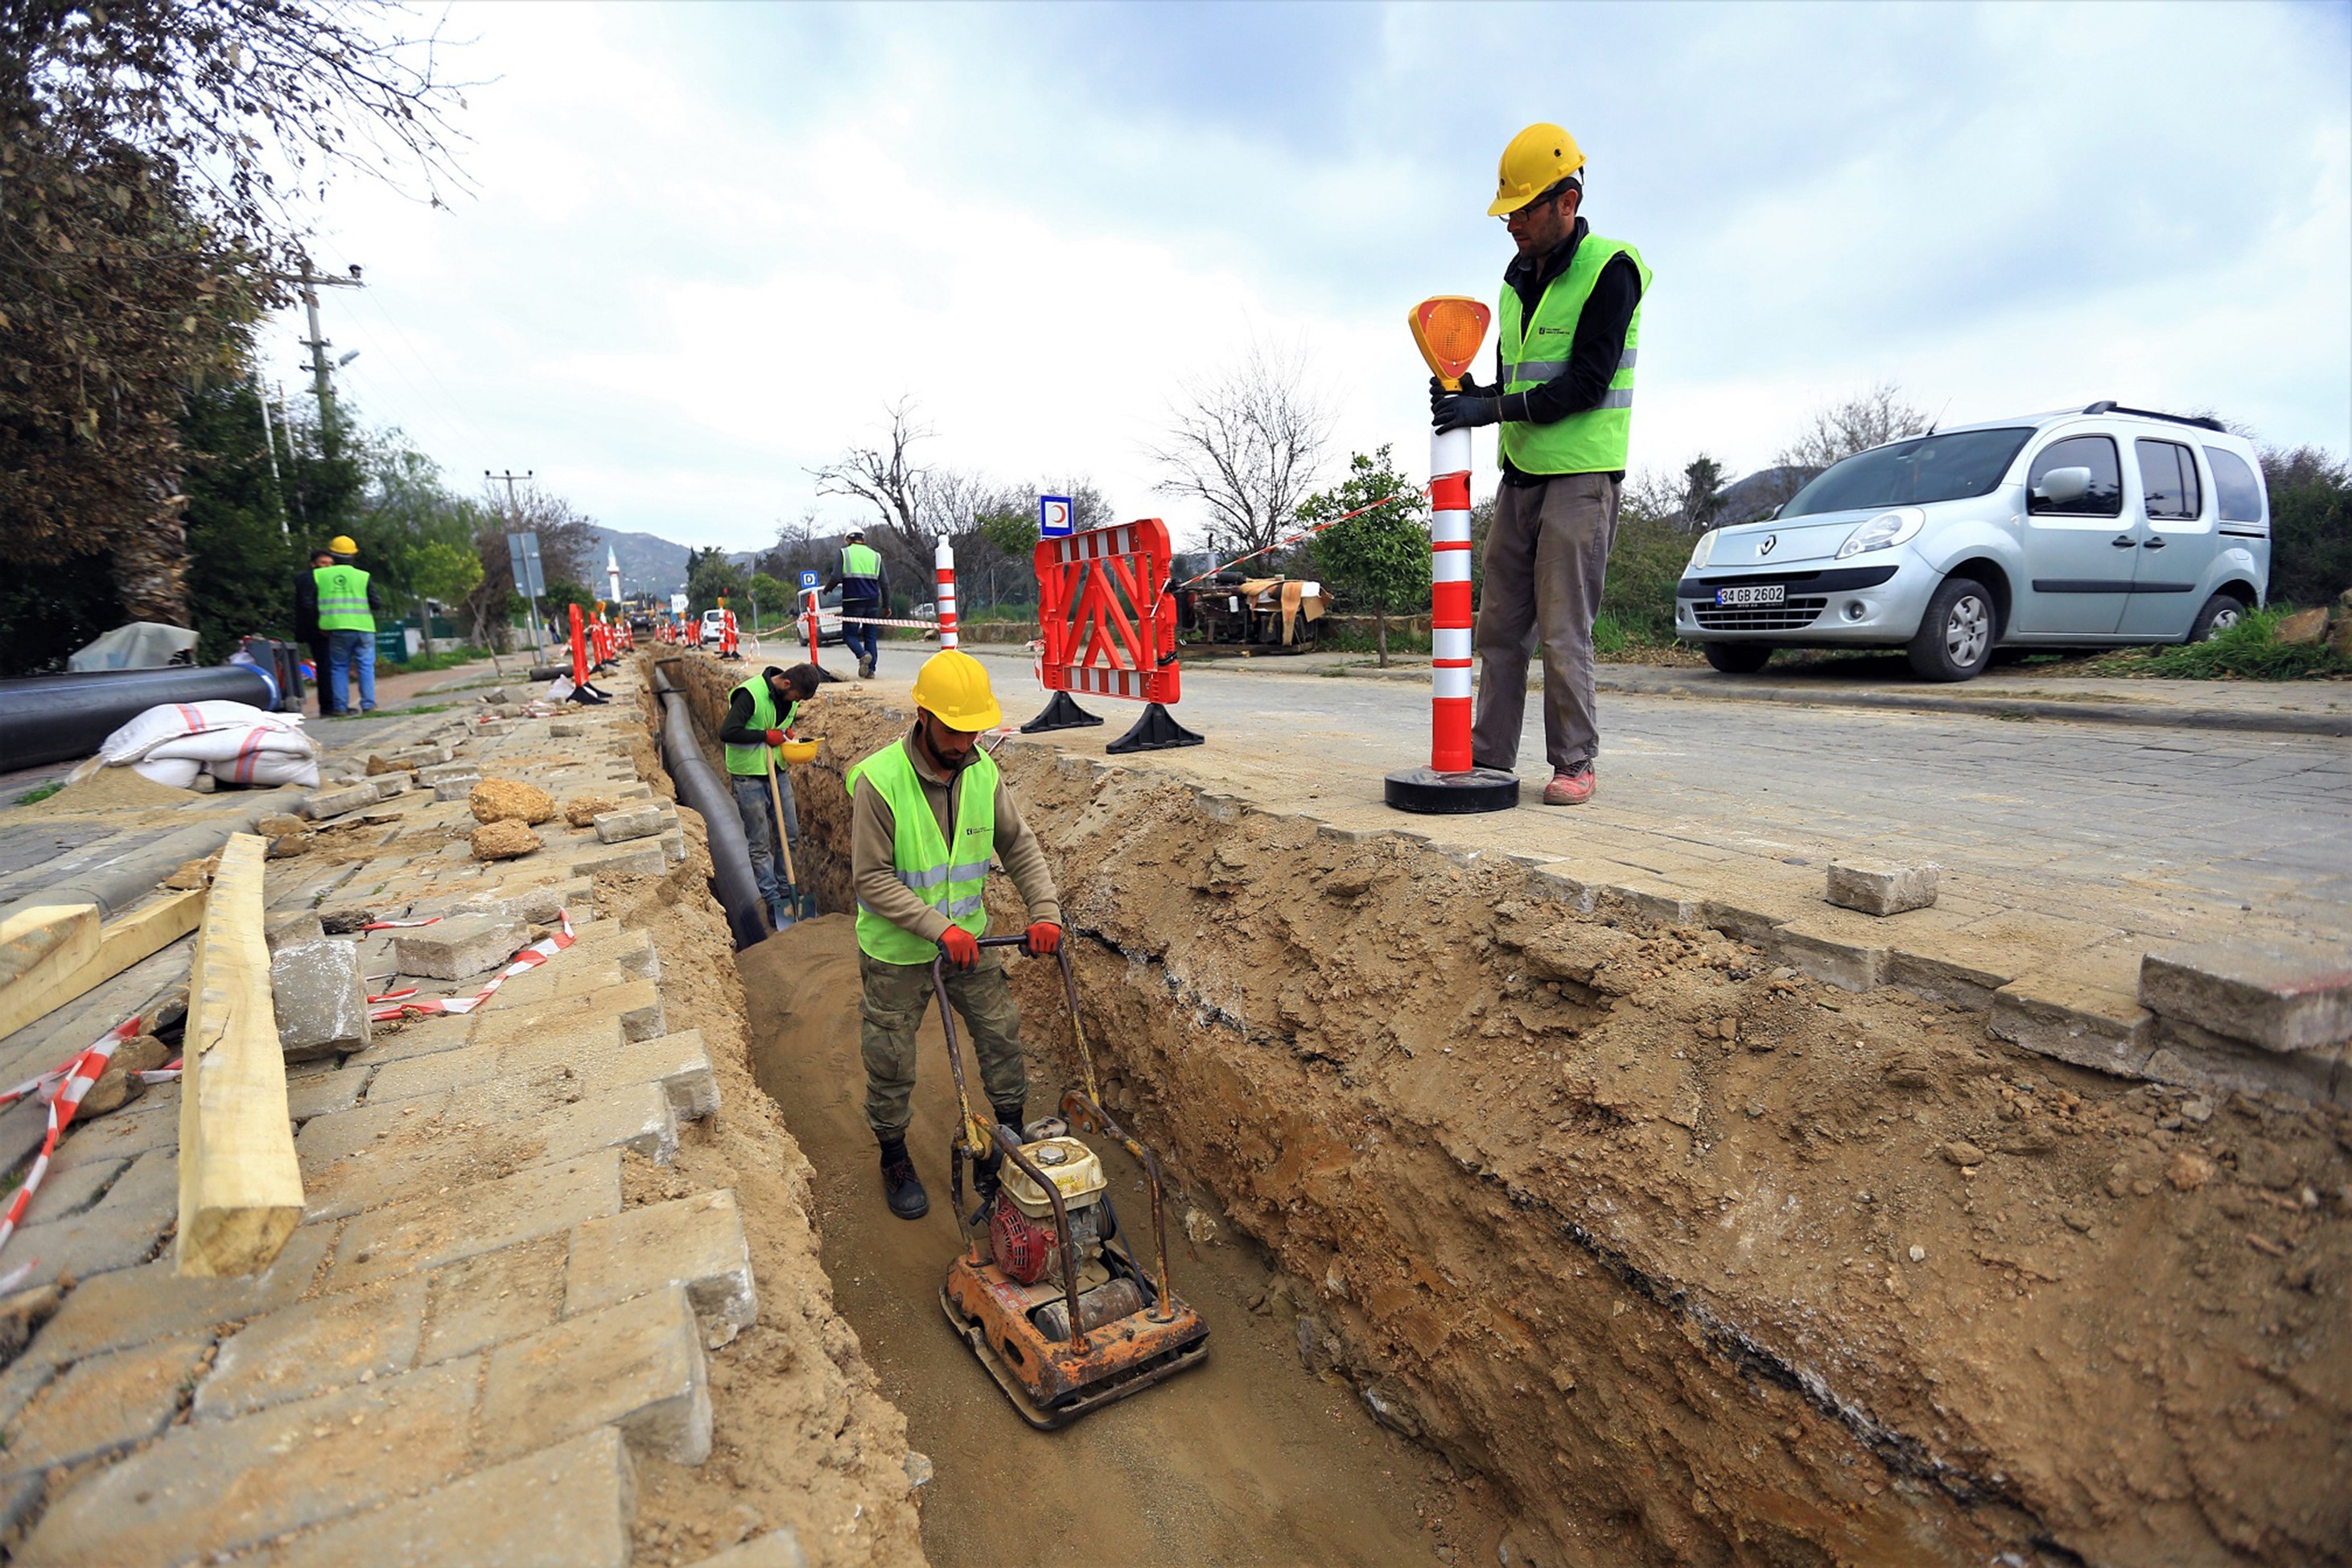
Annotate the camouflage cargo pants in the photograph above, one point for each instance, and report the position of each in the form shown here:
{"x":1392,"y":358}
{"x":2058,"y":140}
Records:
{"x":896,"y":996}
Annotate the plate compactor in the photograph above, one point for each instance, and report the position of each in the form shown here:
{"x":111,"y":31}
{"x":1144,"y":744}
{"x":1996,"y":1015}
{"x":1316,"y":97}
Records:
{"x":1045,"y":1291}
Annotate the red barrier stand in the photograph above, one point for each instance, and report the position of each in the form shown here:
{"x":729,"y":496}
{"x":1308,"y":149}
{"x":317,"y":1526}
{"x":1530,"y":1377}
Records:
{"x":727,"y":649}
{"x":1109,"y":628}
{"x":579,"y":649}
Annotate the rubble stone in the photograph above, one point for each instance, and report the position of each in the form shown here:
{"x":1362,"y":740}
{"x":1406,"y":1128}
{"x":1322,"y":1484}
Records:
{"x":581,"y":811}
{"x":321,"y":999}
{"x":503,"y":841}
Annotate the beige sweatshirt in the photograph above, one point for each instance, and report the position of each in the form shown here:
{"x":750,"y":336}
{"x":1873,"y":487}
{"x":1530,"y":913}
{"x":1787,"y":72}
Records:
{"x":873,"y":840}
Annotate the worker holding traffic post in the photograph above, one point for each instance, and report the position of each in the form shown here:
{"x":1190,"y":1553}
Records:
{"x":926,"y":813}
{"x":1572,"y":320}
{"x":865,"y":591}
{"x":347,"y":606}
{"x":759,"y":713}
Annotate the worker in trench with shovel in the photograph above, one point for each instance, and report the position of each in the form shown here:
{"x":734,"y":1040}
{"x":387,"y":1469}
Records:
{"x":927,"y":811}
{"x":759,"y":713}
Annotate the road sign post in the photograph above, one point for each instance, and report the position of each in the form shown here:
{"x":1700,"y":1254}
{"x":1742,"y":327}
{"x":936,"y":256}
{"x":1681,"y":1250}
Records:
{"x":522,"y":555}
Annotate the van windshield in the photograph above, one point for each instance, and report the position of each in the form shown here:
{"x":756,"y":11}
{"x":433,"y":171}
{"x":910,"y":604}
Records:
{"x":1912,"y":473}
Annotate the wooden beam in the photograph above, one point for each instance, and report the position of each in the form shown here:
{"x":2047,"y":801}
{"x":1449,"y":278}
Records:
{"x":38,"y":946}
{"x":240,"y":1189}
{"x":37,"y":991}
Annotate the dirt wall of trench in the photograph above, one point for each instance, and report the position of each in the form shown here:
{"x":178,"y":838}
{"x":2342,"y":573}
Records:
{"x":1697,"y":1261}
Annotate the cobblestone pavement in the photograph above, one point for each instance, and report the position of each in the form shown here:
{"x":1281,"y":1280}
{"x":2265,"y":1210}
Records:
{"x":484,"y":1329}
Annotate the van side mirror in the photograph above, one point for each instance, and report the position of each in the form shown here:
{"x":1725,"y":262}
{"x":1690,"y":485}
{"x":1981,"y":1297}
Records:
{"x":2061,"y":487}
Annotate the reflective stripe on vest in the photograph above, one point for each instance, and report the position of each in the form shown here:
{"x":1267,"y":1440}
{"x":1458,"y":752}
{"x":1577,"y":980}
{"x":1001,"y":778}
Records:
{"x":861,"y":572}
{"x":1597,"y":440}
{"x":751,"y":761}
{"x":955,"y":882}
{"x":343,"y":598}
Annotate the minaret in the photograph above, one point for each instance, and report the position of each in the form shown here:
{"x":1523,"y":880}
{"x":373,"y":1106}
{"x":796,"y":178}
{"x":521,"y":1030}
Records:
{"x":613,"y":572}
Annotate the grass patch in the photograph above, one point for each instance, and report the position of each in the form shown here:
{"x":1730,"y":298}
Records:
{"x":40,"y":793}
{"x":2249,"y":651}
{"x":426,"y":664}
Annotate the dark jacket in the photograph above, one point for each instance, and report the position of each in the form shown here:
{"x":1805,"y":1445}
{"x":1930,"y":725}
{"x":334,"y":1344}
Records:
{"x":306,"y":606}
{"x":856,"y":589}
{"x":1593,"y":357}
{"x":736,"y":731}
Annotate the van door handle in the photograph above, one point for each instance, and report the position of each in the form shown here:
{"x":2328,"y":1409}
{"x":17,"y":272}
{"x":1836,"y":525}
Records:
{"x":2154,"y":542}
{"x":2122,"y":542}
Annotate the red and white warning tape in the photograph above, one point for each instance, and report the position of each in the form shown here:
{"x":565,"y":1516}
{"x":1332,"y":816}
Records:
{"x":399,"y":925}
{"x":531,"y":957}
{"x":73,"y":1080}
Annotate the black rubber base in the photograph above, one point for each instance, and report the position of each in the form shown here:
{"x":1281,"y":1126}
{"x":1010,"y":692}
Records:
{"x":1157,"y":730}
{"x":1432,"y":793}
{"x":1061,"y":713}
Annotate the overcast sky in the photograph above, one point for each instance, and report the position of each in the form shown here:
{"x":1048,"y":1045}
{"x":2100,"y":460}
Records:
{"x":707,"y":244}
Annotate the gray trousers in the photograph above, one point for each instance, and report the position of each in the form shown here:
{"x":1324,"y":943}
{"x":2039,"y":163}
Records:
{"x":896,"y":996}
{"x":1547,"y":557}
{"x":752,"y":804}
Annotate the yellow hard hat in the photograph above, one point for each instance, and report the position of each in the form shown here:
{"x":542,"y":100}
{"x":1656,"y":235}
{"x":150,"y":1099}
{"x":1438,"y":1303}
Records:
{"x":952,"y":687}
{"x":344,"y":544}
{"x":1538,"y":158}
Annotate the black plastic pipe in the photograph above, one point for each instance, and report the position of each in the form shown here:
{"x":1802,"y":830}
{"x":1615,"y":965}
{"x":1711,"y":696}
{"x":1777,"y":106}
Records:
{"x":698,"y":787}
{"x":52,"y":718}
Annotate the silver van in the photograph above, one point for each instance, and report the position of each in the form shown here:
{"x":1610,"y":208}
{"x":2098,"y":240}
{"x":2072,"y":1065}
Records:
{"x":2056,"y":530}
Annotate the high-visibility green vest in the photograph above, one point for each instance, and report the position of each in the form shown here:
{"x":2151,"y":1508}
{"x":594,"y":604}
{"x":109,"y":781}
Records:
{"x":860,"y":564}
{"x":751,"y":761}
{"x":343,"y":598}
{"x":950,"y":879}
{"x":1596,"y":441}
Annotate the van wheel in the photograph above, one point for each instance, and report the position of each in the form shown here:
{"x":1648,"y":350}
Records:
{"x":2221,"y":612}
{"x":1737,"y":658}
{"x":1954,"y":639}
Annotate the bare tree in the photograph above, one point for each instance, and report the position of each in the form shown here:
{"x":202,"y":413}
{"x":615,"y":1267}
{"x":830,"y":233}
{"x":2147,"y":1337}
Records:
{"x":567,"y":541}
{"x":1246,"y":446}
{"x":1870,"y":418}
{"x":886,"y":478}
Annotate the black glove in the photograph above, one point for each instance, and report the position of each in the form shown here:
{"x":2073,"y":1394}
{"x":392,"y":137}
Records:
{"x":1463,"y":410}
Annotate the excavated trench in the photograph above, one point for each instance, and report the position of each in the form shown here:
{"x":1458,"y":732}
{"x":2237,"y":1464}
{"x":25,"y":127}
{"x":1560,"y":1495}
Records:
{"x":1638,"y":1248}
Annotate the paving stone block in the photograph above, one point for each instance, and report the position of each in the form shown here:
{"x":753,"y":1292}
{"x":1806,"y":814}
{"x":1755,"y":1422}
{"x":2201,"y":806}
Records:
{"x":1957,"y":971}
{"x":2184,"y":1054}
{"x":638,"y":1117}
{"x":777,"y":1549}
{"x":640,"y":858}
{"x":484,"y":1301}
{"x":634,"y":822}
{"x":390,"y":786}
{"x":428,"y":1231}
{"x":2279,"y":998}
{"x":321,"y":999}
{"x":73,"y":1191}
{"x":141,"y":1303}
{"x":97,"y":1242}
{"x":345,"y":916}
{"x":638,"y":1366}
{"x":2061,"y":1016}
{"x":459,"y":947}
{"x":1559,"y":883}
{"x":105,"y":1403}
{"x":434,"y":772}
{"x":454,"y":787}
{"x":1742,"y":921}
{"x":399,"y":1040}
{"x":673,"y":845}
{"x":285,"y":927}
{"x":1880,"y":887}
{"x":572,"y":1504}
{"x":150,"y":1188}
{"x":694,"y":1242}
{"x":218,"y":1486}
{"x":637,"y":1005}
{"x":1660,"y":902}
{"x":325,"y":1092}
{"x":306,"y":1349}
{"x":590,"y":1040}
{"x":1828,"y":954}
{"x":326,"y":803}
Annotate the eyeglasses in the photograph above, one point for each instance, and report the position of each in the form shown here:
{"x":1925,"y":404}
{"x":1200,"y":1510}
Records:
{"x":1552,"y":195}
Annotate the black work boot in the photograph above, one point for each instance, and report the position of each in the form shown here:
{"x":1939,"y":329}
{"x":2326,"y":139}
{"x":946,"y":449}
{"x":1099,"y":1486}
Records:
{"x":900,"y":1185}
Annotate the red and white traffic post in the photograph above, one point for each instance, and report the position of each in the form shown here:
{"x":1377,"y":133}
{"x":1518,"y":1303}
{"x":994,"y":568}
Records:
{"x":944,"y":563}
{"x":1448,"y":331}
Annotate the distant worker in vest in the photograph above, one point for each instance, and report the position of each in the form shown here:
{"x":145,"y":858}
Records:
{"x":759,"y":714}
{"x":306,"y":628}
{"x":347,"y":605}
{"x":865,"y":589}
{"x":1570,"y":320}
{"x":926,"y":813}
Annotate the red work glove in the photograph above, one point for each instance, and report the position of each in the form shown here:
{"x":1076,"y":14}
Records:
{"x":1043,"y":937}
{"x":775,"y":737}
{"x":961,"y":948}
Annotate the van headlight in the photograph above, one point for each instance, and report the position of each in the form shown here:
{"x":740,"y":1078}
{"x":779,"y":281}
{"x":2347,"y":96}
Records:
{"x":1702,"y":550}
{"x":1884,"y":531}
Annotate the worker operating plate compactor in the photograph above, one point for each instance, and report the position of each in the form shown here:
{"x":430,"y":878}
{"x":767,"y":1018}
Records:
{"x":1046,"y":1290}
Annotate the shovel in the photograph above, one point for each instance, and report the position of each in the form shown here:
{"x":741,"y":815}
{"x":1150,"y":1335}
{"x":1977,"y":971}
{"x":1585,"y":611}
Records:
{"x":797,"y":904}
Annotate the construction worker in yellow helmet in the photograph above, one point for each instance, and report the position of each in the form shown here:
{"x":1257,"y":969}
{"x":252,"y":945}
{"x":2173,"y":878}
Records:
{"x":347,"y":602}
{"x":927,"y":814}
{"x":1570,"y":321}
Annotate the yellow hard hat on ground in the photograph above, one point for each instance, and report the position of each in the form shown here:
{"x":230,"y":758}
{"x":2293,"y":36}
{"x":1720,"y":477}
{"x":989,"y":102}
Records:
{"x":1538,"y":158}
{"x":952,"y":687}
{"x":344,"y":544}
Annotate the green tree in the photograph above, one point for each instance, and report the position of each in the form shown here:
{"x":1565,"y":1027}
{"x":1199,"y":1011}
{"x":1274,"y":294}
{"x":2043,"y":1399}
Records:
{"x":1380,"y":561}
{"x":771,"y":597}
{"x":444,"y":573}
{"x":709,"y":575}
{"x":2310,"y":524}
{"x":242,"y":560}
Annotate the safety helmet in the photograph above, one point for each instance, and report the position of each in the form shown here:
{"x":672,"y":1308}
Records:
{"x":344,"y":544}
{"x":952,"y":687}
{"x":1538,"y":158}
{"x":855,"y":534}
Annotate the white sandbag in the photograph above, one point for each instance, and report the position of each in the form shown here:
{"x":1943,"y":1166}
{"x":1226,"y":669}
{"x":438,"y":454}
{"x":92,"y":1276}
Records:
{"x":178,"y":772}
{"x":169,"y":721}
{"x":224,"y":745}
{"x":268,"y":767}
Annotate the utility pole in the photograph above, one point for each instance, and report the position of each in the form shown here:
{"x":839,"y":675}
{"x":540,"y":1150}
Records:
{"x":514,"y":516}
{"x":269,"y":442}
{"x":309,"y":283}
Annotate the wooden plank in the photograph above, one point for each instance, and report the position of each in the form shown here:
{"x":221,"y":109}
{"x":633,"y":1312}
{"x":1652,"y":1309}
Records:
{"x":240,"y":1189}
{"x":39,"y":947}
{"x":113,"y":948}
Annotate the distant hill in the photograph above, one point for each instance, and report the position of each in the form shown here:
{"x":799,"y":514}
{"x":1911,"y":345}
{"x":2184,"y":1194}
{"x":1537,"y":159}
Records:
{"x":649,"y":563}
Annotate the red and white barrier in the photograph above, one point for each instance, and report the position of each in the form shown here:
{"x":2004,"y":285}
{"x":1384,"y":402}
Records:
{"x":1450,"y":609}
{"x":71,"y":1081}
{"x":944,"y":563}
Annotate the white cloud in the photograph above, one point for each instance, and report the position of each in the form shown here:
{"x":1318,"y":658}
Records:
{"x":710,"y":243}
